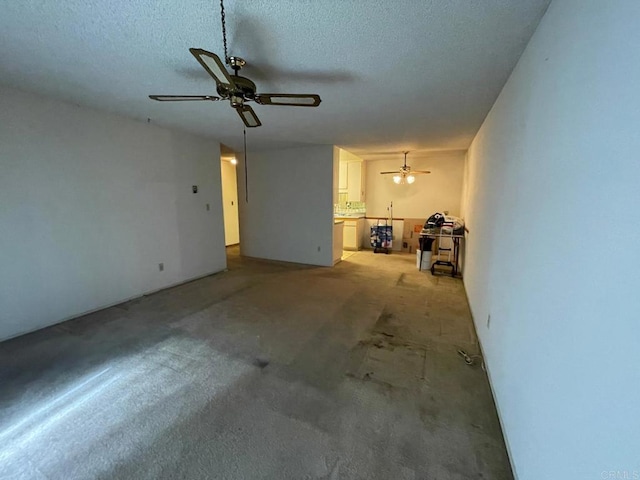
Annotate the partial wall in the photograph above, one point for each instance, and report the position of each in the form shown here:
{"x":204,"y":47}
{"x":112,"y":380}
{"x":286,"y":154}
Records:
{"x":553,"y":211}
{"x":91,"y":204}
{"x":438,"y":191}
{"x":289,"y":212}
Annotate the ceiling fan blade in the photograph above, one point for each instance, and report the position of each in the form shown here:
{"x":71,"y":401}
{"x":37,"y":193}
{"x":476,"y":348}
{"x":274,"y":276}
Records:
{"x":290,"y":99}
{"x":183,"y":98}
{"x":390,"y":173}
{"x":214,"y":66}
{"x":413,"y":172}
{"x":248,"y":116}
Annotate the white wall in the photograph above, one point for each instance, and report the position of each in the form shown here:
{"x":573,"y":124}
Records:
{"x":440,"y":190}
{"x":553,"y":176}
{"x":345,"y":156}
{"x":230,"y":202}
{"x":289,"y":215}
{"x":336,"y":172}
{"x":91,"y":203}
{"x":338,"y":241}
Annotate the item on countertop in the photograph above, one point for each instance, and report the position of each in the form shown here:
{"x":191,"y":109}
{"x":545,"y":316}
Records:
{"x":434,"y":221}
{"x":453,"y":222}
{"x":446,"y":223}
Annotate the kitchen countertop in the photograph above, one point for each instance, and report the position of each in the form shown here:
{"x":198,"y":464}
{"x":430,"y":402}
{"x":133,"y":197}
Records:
{"x":352,"y":217}
{"x":385,"y":218}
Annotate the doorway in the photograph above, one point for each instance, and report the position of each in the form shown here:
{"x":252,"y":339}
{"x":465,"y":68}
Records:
{"x":229,"y":197}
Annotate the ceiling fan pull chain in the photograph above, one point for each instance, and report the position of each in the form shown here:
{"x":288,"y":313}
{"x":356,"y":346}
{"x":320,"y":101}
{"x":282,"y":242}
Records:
{"x":246,"y":174}
{"x":224,"y":33}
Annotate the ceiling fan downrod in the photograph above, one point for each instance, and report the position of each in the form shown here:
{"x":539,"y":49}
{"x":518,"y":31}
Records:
{"x":236,"y":64}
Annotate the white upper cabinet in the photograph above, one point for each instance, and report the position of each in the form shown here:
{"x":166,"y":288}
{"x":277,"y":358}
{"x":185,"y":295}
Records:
{"x":343,"y":185}
{"x":351,"y":177}
{"x":355,"y":182}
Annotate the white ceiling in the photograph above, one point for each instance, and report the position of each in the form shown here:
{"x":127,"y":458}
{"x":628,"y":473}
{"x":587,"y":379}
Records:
{"x":419,"y":75}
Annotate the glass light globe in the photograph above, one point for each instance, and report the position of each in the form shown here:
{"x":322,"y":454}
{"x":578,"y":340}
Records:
{"x":397,"y":179}
{"x":234,"y":161}
{"x":411,"y":179}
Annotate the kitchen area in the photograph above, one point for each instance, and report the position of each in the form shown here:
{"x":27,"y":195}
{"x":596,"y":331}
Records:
{"x":363,"y":198}
{"x":352,"y":225}
{"x":349,"y":213}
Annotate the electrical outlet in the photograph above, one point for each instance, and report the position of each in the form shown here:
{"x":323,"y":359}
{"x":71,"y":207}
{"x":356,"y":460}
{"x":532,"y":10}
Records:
{"x":194,"y":188}
{"x":161,"y":267}
{"x":489,"y":321}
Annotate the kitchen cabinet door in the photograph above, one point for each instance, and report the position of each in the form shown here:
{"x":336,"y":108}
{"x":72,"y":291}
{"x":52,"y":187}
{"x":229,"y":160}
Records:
{"x":350,"y":237}
{"x":354,"y":180}
{"x":359,"y":233}
{"x":363,"y":182}
{"x":343,"y":184}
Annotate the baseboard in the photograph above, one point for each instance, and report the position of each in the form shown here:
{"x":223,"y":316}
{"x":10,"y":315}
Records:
{"x":177,"y":284}
{"x":493,"y":393}
{"x":104,"y":307}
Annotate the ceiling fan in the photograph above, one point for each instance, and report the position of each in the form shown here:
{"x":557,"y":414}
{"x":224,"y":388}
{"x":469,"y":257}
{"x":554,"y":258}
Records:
{"x":405,"y":174}
{"x":235,"y":88}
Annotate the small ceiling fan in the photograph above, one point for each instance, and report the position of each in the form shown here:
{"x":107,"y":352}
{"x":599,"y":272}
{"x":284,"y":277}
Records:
{"x":405,"y":174}
{"x":235,"y":88}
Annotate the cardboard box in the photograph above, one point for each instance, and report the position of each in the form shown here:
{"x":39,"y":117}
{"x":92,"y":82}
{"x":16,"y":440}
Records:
{"x":411,"y":234}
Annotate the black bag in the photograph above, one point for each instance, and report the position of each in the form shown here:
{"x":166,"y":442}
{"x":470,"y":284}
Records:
{"x":434,"y":221}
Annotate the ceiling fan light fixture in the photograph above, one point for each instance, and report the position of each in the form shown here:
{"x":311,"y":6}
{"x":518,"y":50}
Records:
{"x":405,"y":175}
{"x":236,"y":101}
{"x":234,"y":161}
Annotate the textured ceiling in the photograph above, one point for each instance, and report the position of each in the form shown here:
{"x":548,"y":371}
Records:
{"x":419,"y":75}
